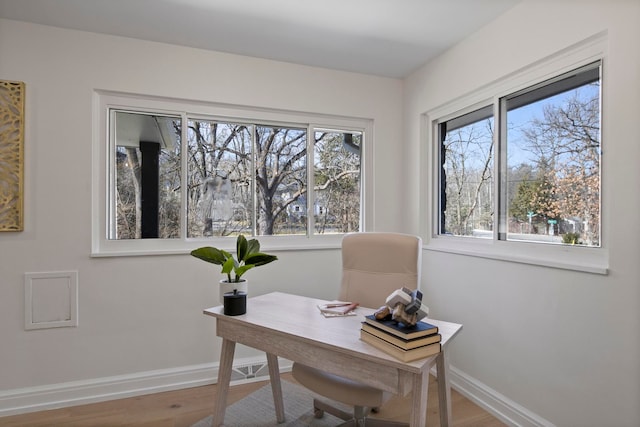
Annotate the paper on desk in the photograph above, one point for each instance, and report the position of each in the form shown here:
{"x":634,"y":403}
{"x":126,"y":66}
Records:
{"x":338,"y":309}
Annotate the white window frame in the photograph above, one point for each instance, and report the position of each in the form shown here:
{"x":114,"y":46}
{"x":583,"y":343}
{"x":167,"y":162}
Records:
{"x":104,"y":101}
{"x":586,"y":259}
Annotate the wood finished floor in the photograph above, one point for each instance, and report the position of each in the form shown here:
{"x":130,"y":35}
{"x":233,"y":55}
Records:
{"x":182,"y":408}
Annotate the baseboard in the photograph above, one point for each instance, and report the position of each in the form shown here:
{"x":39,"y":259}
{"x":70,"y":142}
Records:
{"x":40,"y":398}
{"x":498,"y":405}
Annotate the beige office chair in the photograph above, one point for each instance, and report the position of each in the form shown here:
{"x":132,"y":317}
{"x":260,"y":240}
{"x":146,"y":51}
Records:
{"x":373,"y":266}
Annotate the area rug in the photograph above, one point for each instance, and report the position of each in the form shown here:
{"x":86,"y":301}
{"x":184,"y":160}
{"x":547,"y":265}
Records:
{"x":257,"y":410}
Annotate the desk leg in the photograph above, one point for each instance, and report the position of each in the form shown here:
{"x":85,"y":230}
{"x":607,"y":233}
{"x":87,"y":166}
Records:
{"x":444,"y":389}
{"x":276,"y":387}
{"x":419,"y":404}
{"x":224,"y":378}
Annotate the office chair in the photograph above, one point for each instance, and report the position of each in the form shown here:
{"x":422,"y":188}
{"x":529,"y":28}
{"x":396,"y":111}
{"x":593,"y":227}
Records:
{"x":373,"y":266}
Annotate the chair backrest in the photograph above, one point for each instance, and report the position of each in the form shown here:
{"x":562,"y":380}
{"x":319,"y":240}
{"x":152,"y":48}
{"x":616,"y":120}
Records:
{"x":375,"y":264}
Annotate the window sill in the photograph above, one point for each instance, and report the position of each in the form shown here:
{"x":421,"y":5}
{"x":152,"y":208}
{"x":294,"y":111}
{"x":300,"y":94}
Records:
{"x":152,"y":247}
{"x":582,"y":259}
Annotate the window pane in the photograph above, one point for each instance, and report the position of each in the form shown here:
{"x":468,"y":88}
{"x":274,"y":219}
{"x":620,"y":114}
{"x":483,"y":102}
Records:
{"x":337,"y":181}
{"x":553,"y":162}
{"x":177,"y":172}
{"x":281,"y":180}
{"x":466,"y":175}
{"x":146,"y":196}
{"x":219,"y":201}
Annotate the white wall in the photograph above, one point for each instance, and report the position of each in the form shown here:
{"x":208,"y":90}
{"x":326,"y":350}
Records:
{"x":565,"y":345}
{"x":144,"y":313}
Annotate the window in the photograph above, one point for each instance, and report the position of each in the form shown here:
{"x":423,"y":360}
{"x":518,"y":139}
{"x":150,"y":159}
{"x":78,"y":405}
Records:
{"x":466,"y":174}
{"x":552,"y":161}
{"x":145,"y":200}
{"x":549,"y":148}
{"x":174,"y":176}
{"x":524,"y":166}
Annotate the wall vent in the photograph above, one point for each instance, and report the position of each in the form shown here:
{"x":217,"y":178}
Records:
{"x":250,"y":371}
{"x":50,"y":300}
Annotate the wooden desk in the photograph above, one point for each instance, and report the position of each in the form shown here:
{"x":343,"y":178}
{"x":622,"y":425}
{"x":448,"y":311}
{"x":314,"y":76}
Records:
{"x":292,"y":327}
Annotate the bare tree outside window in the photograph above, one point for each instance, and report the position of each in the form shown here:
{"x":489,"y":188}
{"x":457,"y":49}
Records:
{"x":219,"y":201}
{"x":281,"y":179}
{"x":337,"y":181}
{"x":557,"y":140}
{"x":244,"y":178}
{"x":467,"y":175}
{"x":549,"y":173}
{"x":133,"y":167}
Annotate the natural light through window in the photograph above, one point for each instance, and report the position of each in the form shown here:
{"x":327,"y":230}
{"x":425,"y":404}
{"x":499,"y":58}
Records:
{"x":174,"y":176}
{"x":466,"y":178}
{"x":553,"y":161}
{"x":533,"y":178}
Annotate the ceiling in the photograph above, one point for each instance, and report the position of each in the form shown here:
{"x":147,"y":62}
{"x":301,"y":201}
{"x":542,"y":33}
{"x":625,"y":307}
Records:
{"x":388,"y":38}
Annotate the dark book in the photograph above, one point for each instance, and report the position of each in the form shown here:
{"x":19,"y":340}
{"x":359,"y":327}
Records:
{"x":399,"y":353}
{"x":403,"y":343}
{"x":420,"y":329}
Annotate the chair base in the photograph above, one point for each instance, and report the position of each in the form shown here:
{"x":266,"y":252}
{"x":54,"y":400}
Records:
{"x":356,"y":419}
{"x":320,"y":407}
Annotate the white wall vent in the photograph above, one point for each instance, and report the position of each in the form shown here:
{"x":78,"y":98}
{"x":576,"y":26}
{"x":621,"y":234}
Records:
{"x":51,"y":300}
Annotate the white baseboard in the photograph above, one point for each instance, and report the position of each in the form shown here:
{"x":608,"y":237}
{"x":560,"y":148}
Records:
{"x":40,"y":398}
{"x":498,"y":405}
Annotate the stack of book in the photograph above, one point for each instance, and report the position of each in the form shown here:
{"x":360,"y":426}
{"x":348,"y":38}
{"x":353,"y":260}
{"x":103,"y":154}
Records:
{"x":406,"y":343}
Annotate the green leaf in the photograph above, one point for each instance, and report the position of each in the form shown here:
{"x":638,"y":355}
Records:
{"x":209,"y":254}
{"x":248,"y":256}
{"x":241,"y":247}
{"x":228,"y":266}
{"x":253,"y":247}
{"x":260,"y":258}
{"x":241,"y":270}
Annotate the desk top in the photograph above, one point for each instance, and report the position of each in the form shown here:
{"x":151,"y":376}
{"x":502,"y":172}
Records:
{"x":298,"y":316}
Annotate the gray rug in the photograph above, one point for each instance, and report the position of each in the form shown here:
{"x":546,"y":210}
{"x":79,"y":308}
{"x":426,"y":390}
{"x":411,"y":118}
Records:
{"x":257,"y":410}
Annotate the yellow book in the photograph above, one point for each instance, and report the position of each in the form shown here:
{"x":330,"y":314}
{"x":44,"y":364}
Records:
{"x":397,"y":352}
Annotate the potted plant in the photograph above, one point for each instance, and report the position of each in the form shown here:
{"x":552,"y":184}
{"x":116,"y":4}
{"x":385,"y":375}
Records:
{"x":248,"y":256}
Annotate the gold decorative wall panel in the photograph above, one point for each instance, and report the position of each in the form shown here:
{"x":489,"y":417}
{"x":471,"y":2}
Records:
{"x":11,"y":155}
